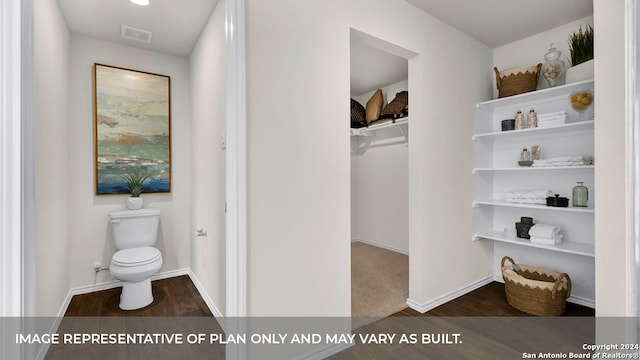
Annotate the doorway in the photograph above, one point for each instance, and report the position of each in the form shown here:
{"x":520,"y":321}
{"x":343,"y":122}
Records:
{"x":379,"y":180}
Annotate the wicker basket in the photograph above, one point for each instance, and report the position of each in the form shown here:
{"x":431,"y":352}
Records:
{"x":517,"y":80}
{"x":535,"y":290}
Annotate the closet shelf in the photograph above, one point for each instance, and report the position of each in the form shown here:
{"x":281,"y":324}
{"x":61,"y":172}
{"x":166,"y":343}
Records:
{"x":569,"y":128}
{"x":568,"y":247}
{"x":534,"y":96}
{"x":366,"y":130}
{"x":587,"y":210}
{"x":477,"y":171}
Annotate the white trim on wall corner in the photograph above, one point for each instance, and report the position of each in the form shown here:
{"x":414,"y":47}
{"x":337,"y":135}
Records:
{"x":633,"y":155}
{"x":429,"y":305}
{"x":236,"y":168}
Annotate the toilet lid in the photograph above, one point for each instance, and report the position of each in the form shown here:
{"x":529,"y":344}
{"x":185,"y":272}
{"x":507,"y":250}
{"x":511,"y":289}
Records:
{"x":136,"y":256}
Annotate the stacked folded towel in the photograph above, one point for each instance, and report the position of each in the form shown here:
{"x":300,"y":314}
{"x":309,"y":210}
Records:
{"x":528,"y":196}
{"x":575,"y":160}
{"x":552,"y":119}
{"x":545,"y":234}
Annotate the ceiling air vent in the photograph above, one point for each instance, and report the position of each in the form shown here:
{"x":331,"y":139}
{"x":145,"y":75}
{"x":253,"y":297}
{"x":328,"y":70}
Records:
{"x":130,"y":33}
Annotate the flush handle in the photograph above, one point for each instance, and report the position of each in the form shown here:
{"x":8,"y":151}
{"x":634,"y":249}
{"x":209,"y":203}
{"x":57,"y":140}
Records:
{"x":114,"y":221}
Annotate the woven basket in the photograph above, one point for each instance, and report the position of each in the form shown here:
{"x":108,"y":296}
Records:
{"x":517,"y":80}
{"x":535,"y":290}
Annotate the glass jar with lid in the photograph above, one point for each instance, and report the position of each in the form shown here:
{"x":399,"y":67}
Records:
{"x":553,"y":68}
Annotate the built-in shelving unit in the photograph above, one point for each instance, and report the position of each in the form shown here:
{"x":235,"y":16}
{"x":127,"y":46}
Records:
{"x":495,"y":171}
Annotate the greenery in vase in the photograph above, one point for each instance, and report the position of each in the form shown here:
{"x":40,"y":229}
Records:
{"x":135,"y":179}
{"x":581,"y":45}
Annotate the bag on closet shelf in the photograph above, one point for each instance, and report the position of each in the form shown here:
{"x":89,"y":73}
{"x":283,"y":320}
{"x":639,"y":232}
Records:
{"x":357,"y":115}
{"x":374,"y":107}
{"x":398,"y":107}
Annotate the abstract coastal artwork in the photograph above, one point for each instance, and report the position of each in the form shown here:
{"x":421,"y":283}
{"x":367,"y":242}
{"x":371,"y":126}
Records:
{"x":132,"y":128}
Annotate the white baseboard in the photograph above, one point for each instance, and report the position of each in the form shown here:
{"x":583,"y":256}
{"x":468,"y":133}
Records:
{"x":424,"y":307}
{"x":380,"y":246}
{"x":572,"y":299}
{"x":210,"y":304}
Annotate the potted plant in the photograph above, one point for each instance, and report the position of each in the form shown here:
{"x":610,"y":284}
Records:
{"x":581,"y":49}
{"x":135,"y":178}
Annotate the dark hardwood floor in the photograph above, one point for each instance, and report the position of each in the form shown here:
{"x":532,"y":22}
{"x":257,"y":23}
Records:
{"x":177,"y":310}
{"x":489,"y":300}
{"x":176,"y":296}
{"x":489,"y":327}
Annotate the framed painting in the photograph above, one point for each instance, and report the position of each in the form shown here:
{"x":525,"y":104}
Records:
{"x":132,"y":114}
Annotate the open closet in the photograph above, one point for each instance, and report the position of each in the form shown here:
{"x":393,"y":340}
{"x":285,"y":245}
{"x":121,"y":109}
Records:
{"x":379,"y":181}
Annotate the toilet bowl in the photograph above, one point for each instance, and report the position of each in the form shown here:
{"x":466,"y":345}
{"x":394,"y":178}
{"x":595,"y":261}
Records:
{"x":134,"y":234}
{"x":134,"y":268}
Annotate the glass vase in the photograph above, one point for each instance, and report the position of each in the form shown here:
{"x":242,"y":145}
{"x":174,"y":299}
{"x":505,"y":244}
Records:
{"x":580,"y":195}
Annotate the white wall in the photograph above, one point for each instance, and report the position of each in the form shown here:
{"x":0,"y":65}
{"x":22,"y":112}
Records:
{"x":380,"y":182}
{"x":208,"y":76}
{"x":531,"y":50}
{"x":52,"y":127}
{"x":610,"y":152}
{"x":89,"y":235}
{"x":298,"y":159}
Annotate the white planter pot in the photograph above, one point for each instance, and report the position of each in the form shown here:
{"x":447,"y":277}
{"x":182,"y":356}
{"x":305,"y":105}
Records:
{"x":580,"y":72}
{"x":134,"y":203}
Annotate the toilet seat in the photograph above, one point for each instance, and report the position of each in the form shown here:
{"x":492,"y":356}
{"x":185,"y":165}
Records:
{"x":136,"y":256}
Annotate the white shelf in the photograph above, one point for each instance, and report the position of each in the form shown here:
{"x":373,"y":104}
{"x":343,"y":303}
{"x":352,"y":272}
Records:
{"x":568,"y":247}
{"x":498,"y":203}
{"x":526,"y":169}
{"x":366,"y":130}
{"x":538,"y":95}
{"x":566,"y":128}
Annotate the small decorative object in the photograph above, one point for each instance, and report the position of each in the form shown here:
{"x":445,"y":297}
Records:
{"x":397,"y":108}
{"x":580,"y":195}
{"x":517,"y":80}
{"x":373,"y":108}
{"x":523,"y":227}
{"x":357,"y":115}
{"x":553,"y":68}
{"x":525,"y":155}
{"x":535,"y":152}
{"x":135,"y":179}
{"x":508,"y":124}
{"x":535,"y":290}
{"x":581,"y":100}
{"x":532,"y":119}
{"x":581,"y":49}
{"x":519,"y":120}
{"x":558,"y":201}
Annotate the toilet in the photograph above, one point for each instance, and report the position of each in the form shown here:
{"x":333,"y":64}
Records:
{"x":134,"y":235}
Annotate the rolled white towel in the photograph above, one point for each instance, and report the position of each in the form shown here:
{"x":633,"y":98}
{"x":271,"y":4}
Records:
{"x":568,"y":163}
{"x":537,"y":240}
{"x":567,"y":158}
{"x":545,"y":231}
{"x":529,"y":194}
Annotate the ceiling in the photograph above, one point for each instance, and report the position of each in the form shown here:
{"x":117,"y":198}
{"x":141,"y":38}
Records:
{"x":492,"y":22}
{"x":175,"y":25}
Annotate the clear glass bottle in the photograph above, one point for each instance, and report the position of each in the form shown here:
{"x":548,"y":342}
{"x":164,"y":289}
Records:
{"x":520,"y":123}
{"x":553,"y":68}
{"x":580,"y":195}
{"x":525,"y":155}
{"x":532,"y":119}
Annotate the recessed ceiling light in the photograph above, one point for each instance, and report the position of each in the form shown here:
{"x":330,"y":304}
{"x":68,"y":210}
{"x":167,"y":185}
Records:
{"x":140,"y":2}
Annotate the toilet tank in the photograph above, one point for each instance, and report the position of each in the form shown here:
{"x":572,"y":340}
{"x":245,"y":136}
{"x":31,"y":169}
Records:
{"x":134,"y":228}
